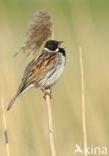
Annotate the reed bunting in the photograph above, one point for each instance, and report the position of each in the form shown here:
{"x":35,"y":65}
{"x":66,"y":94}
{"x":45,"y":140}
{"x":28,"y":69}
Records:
{"x":44,"y":70}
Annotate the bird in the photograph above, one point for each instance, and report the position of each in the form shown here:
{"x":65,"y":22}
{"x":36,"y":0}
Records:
{"x":44,"y":70}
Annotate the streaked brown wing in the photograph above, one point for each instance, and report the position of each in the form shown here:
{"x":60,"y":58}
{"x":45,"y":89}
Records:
{"x":40,"y":67}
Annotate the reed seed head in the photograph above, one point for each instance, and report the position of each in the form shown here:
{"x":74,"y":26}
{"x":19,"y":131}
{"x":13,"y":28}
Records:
{"x":40,"y":30}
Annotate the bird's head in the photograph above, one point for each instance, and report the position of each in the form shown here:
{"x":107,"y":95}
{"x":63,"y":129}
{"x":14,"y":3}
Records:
{"x":52,"y":45}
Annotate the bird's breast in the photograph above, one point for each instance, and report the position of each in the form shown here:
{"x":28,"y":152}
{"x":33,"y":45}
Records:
{"x":55,"y":73}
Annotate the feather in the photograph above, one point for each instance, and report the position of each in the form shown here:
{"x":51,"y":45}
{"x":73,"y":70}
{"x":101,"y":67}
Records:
{"x":11,"y":103}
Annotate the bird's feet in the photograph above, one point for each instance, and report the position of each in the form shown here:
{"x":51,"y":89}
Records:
{"x":46,"y":91}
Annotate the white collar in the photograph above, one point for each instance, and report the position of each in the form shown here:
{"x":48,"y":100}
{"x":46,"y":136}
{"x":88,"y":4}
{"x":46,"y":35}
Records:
{"x":51,"y":50}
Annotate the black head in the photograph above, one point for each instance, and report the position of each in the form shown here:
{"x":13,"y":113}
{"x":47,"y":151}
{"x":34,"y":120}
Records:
{"x":52,"y":45}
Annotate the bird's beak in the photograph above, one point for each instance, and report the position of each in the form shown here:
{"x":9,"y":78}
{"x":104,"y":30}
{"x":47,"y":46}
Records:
{"x":60,"y":42}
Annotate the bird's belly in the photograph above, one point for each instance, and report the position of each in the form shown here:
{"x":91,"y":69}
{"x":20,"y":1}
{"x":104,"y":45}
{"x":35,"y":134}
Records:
{"x":52,"y":76}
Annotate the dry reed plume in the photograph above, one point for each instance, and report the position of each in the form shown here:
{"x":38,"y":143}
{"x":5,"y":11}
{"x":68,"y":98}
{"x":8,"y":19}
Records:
{"x":40,"y":29}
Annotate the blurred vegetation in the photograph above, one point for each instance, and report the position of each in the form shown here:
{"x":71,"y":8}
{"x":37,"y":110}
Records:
{"x":79,"y":23}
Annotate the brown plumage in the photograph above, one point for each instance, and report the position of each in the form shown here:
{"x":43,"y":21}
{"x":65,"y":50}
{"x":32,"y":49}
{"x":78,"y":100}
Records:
{"x":35,"y":72}
{"x":40,"y":67}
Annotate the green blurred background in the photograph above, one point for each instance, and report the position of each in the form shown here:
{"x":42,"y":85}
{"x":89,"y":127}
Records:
{"x":79,"y":23}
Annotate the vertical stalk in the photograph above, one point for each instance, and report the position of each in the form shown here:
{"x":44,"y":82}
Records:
{"x":83,"y":102}
{"x":50,"y":123}
{"x":5,"y":128}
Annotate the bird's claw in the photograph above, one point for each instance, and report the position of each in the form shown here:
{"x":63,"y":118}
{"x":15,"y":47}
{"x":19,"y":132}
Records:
{"x":46,"y":92}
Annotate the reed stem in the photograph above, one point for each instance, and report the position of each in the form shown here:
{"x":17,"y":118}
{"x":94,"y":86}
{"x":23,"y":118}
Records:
{"x":83,"y":102}
{"x":5,"y":128}
{"x":50,"y":123}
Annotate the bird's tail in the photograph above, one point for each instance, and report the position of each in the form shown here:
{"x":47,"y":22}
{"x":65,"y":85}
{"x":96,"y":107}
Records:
{"x":19,"y":92}
{"x":11,"y":102}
